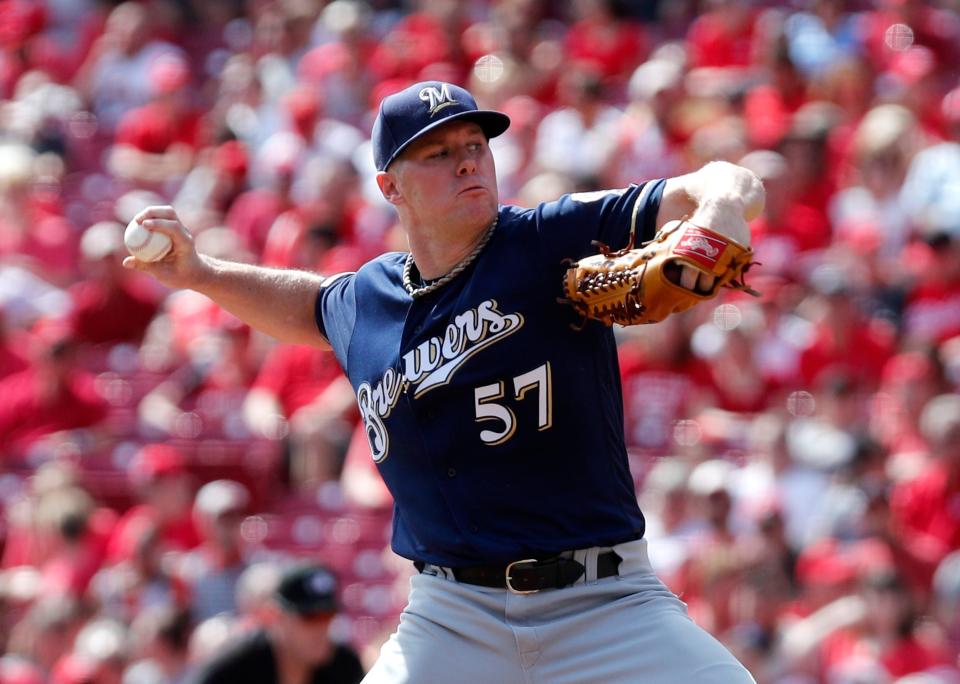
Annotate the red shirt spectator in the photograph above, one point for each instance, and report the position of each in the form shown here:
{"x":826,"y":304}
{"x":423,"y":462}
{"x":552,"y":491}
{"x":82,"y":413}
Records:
{"x":111,"y":314}
{"x":926,"y":511}
{"x":20,"y":21}
{"x":933,"y":312}
{"x":660,"y":380}
{"x":614,"y":45}
{"x":155,"y":143}
{"x":253,"y":213}
{"x":846,"y":342}
{"x":315,"y":238}
{"x":167,"y":119}
{"x":769,"y":108}
{"x":733,"y":377}
{"x":297,"y":375}
{"x":112,"y":304}
{"x":159,"y":474}
{"x":789,"y":232}
{"x":139,"y":580}
{"x":418,"y":41}
{"x":33,"y":229}
{"x":50,"y":396}
{"x":909,"y":655}
{"x":155,"y":127}
{"x":723,"y":37}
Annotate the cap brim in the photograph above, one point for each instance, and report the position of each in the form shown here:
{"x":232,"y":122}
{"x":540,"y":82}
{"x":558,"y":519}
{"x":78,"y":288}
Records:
{"x":492,"y":122}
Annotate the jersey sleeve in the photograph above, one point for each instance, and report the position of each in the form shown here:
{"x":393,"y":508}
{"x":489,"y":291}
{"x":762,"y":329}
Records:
{"x":571,"y":224}
{"x":336,"y":312}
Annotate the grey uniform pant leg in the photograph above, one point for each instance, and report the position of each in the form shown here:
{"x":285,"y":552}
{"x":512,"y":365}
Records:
{"x":623,"y":629}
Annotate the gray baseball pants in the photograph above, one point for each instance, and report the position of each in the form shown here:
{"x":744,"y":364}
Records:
{"x":628,"y":628}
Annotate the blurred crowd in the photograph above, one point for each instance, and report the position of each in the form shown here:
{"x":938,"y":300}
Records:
{"x":797,"y":455}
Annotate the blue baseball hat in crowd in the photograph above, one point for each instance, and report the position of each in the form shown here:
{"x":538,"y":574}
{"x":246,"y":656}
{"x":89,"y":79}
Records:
{"x":307,"y":589}
{"x":407,"y":115}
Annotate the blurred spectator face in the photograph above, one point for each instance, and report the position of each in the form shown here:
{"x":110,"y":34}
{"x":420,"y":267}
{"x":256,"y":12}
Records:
{"x":849,"y":84}
{"x":148,"y":553}
{"x":717,"y":507}
{"x":302,"y":107}
{"x":883,"y":171}
{"x":170,"y":495}
{"x":224,"y":355}
{"x":53,"y":354}
{"x":911,"y":380}
{"x":940,"y":425}
{"x":888,"y":606}
{"x":128,"y":26}
{"x":759,"y":599}
{"x":771,"y":526}
{"x":169,"y":76}
{"x":162,"y":633}
{"x":102,"y":249}
{"x":829,"y":11}
{"x":709,"y":481}
{"x":659,"y":83}
{"x":883,"y":141}
{"x":239,"y":81}
{"x":220,"y":506}
{"x":839,"y":400}
{"x":580,"y":87}
{"x":675,"y":504}
{"x":307,"y":637}
{"x":804,"y":156}
{"x":225,"y":530}
{"x":270,"y":32}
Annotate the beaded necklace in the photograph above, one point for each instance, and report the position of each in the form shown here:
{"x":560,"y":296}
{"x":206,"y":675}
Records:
{"x":420,"y":291}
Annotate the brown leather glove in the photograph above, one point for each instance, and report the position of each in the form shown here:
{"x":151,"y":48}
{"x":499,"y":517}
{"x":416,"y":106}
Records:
{"x":642,"y":285}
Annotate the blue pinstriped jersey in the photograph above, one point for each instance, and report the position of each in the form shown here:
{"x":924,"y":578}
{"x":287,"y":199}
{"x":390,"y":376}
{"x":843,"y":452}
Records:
{"x":497,"y":427}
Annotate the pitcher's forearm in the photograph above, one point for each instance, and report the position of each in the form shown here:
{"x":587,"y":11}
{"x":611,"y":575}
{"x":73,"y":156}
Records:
{"x":275,"y":301}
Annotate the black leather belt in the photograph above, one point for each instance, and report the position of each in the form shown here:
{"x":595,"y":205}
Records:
{"x":533,"y":575}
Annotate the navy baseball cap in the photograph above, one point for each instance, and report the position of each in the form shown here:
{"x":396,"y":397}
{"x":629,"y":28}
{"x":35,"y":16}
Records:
{"x":307,"y":590}
{"x":405,"y":116}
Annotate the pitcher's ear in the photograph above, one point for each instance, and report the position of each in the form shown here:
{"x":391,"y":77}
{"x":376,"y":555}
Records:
{"x":387,"y":182}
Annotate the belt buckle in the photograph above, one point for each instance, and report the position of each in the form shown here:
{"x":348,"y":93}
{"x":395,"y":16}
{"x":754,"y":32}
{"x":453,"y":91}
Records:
{"x":508,"y":578}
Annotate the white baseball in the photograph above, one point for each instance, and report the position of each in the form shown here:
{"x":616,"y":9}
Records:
{"x":145,"y":244}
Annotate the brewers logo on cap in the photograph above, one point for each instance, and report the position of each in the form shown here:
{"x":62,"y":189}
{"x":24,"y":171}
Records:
{"x":437,"y":98}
